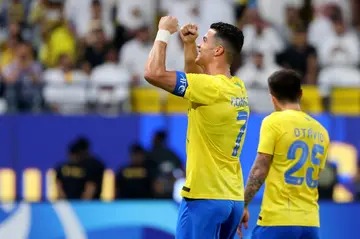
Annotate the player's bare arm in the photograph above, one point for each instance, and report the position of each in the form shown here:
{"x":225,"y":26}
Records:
{"x":258,"y":174}
{"x":155,"y":70}
{"x":189,"y":33}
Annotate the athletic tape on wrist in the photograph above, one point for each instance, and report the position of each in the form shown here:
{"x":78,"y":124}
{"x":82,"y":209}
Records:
{"x":163,"y":35}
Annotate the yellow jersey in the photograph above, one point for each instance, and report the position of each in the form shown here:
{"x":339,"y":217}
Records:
{"x":299,"y":146}
{"x":217,"y":119}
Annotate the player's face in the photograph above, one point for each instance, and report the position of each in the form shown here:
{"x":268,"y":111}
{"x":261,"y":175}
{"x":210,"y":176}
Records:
{"x":206,"y":49}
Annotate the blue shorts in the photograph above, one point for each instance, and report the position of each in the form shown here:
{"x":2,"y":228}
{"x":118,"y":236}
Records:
{"x":205,"y":219}
{"x":285,"y":232}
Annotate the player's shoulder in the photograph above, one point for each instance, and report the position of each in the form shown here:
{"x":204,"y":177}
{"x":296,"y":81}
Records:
{"x":321,"y":128}
{"x":233,"y":86}
{"x":286,"y":115}
{"x":219,"y":79}
{"x":208,"y":78}
{"x":278,"y":119}
{"x":272,"y":118}
{"x":212,"y":81}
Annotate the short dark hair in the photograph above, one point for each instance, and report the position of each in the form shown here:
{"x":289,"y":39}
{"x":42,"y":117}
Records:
{"x":285,"y":85}
{"x":83,"y":143}
{"x":136,"y":148}
{"x":232,"y":37}
{"x":74,"y":148}
{"x":161,"y":135}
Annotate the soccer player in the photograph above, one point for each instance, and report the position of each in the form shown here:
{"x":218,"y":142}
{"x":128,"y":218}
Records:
{"x":213,"y":193}
{"x":291,"y":153}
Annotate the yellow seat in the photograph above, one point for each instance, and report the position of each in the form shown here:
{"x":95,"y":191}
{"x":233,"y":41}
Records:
{"x":7,"y":185}
{"x":311,"y":99}
{"x":145,"y":100}
{"x":108,"y":190}
{"x":176,"y":104}
{"x":345,"y":101}
{"x":32,"y":185}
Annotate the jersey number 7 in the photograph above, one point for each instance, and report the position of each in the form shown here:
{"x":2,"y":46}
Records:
{"x":241,"y":116}
{"x":291,"y":155}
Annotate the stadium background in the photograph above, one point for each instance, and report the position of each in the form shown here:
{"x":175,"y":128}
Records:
{"x":34,"y":138}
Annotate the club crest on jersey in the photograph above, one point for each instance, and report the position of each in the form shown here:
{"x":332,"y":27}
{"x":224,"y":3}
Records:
{"x":238,"y":84}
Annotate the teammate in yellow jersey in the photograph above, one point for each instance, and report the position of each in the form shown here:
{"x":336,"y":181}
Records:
{"x":292,"y":151}
{"x":217,"y":117}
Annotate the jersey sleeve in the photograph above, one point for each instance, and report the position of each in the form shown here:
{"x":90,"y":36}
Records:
{"x":198,"y":88}
{"x":268,"y":137}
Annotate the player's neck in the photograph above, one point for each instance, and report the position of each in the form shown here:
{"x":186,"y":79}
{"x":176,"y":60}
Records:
{"x":290,"y":106}
{"x":215,"y":69}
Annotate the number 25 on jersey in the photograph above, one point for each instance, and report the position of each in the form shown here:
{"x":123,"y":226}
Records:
{"x":316,"y":151}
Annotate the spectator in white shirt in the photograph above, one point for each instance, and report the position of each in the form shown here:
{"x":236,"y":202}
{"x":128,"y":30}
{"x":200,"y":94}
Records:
{"x":134,"y":53}
{"x":65,"y":89}
{"x":110,"y":84}
{"x":339,"y":56}
{"x":344,"y":6}
{"x":321,"y":27}
{"x":255,"y":74}
{"x":260,"y":34}
{"x":187,"y":11}
{"x":275,"y":11}
{"x":132,"y":14}
{"x":82,"y":12}
{"x":216,"y":11}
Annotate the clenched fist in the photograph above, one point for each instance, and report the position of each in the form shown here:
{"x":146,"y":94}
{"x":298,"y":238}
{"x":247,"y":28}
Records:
{"x":169,"y":23}
{"x":189,"y":33}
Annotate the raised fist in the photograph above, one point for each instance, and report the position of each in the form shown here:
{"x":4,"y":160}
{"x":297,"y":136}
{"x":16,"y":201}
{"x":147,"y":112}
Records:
{"x":169,"y":23}
{"x":189,"y":33}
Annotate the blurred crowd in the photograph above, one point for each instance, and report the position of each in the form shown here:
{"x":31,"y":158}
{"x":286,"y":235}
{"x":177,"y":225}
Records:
{"x":158,"y":173}
{"x":148,"y":174}
{"x":81,"y":56}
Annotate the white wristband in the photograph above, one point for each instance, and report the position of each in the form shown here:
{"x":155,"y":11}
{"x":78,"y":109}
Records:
{"x":163,"y":35}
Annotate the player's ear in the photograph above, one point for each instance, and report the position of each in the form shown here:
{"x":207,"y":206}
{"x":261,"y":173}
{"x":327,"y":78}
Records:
{"x":273,"y":99}
{"x":219,"y":50}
